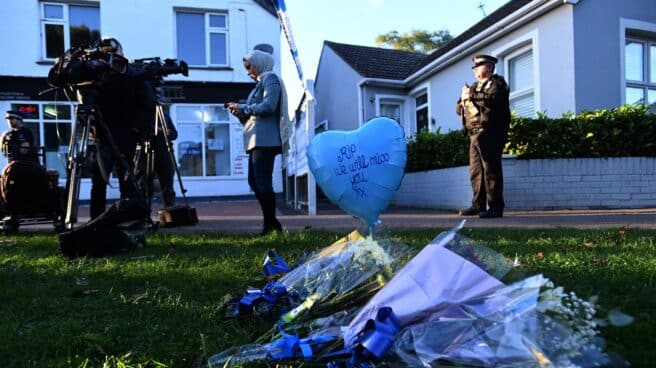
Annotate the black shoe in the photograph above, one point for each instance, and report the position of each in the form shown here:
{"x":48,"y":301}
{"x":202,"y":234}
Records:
{"x":269,"y":228}
{"x":491,"y":214}
{"x":471,"y":211}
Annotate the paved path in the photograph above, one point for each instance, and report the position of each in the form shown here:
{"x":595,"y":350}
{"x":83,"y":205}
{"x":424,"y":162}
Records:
{"x":243,"y":216}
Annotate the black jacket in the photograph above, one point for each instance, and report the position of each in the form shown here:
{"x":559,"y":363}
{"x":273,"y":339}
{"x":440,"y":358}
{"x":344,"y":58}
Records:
{"x":488,"y":108}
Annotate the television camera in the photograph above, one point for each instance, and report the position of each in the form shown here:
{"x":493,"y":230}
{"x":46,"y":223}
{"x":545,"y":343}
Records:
{"x":158,"y":69}
{"x":154,"y":69}
{"x":81,"y":70}
{"x":81,"y":66}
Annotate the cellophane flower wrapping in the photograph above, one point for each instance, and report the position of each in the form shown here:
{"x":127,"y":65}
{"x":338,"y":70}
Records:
{"x":345,"y":274}
{"x":262,"y":350}
{"x":453,"y":309}
{"x":507,"y":328}
{"x":529,"y":323}
{"x":436,"y":280}
{"x":332,"y":283}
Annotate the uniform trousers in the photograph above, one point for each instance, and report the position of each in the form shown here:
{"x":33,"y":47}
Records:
{"x":485,"y":169}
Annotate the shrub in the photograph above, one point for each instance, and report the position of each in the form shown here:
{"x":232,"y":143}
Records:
{"x":428,"y":151}
{"x":627,"y":131}
{"x":621,"y":132}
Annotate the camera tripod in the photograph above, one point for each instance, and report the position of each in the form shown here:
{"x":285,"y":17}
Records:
{"x":87,"y":116}
{"x":160,"y":128}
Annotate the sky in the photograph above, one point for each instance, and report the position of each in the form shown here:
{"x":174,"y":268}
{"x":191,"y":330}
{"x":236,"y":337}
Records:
{"x":358,"y":22}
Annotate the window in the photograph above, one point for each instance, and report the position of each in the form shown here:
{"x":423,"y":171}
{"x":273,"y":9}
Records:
{"x":202,"y":38}
{"x":203,"y":147}
{"x":392,"y":106}
{"x":640,"y":72}
{"x":50,"y":124}
{"x":64,"y":26}
{"x":391,"y":110}
{"x":421,"y":112}
{"x":520,"y":79}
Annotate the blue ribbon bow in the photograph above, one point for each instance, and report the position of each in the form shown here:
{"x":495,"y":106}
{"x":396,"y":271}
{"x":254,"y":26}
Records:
{"x":371,"y":343}
{"x":271,"y":292}
{"x":291,"y":347}
{"x":274,"y":265}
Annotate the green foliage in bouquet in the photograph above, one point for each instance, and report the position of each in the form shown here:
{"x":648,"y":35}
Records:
{"x":627,"y":131}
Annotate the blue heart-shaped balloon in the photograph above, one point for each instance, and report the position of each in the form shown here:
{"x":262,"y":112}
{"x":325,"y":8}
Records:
{"x":360,"y":170}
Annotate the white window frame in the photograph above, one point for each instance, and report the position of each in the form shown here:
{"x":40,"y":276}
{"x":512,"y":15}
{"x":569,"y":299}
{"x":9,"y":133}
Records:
{"x":416,"y":93}
{"x":54,"y":21}
{"x":526,"y":91}
{"x":216,"y":30}
{"x":517,"y":46}
{"x":231,"y":123}
{"x":402,"y":101}
{"x":628,"y":25}
{"x":63,"y":22}
{"x":208,"y":32}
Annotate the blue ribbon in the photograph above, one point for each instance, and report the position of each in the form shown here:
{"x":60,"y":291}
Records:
{"x":272,"y":268}
{"x":271,"y":293}
{"x":372,"y":342}
{"x":378,"y":335}
{"x":291,"y":347}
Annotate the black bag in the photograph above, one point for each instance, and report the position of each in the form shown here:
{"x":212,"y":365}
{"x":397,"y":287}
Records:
{"x":120,"y":228}
{"x":25,"y":187}
{"x":96,"y":242}
{"x":177,"y":216}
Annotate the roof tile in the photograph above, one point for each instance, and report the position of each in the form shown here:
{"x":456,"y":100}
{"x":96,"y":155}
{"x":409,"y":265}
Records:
{"x":377,"y":62}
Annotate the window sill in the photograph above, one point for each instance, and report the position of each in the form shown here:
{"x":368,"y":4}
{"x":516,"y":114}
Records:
{"x":45,"y":62}
{"x":199,"y":67}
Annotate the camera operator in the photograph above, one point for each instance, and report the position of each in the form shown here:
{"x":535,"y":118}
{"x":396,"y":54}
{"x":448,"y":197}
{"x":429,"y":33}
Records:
{"x":17,"y":143}
{"x":163,"y":166}
{"x":126,"y":106}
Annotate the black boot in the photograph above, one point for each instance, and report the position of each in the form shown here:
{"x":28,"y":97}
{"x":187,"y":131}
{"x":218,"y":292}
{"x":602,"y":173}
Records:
{"x":271,"y":223}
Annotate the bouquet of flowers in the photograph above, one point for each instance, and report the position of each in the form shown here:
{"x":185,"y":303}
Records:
{"x":446,"y":306}
{"x":344,"y":274}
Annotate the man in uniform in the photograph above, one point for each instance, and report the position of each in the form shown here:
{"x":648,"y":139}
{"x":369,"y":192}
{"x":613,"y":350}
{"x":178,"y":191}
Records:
{"x":485,"y":113}
{"x":17,"y":142}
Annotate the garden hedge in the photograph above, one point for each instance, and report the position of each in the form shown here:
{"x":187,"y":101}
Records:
{"x":627,"y":131}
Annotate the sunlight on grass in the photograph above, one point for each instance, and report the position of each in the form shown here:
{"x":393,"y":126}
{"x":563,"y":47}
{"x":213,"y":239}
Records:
{"x":159,"y":306}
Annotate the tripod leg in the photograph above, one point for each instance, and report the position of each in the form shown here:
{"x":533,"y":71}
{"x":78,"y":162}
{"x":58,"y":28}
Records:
{"x":77,"y":153}
{"x":150,"y":172}
{"x":162,"y":119}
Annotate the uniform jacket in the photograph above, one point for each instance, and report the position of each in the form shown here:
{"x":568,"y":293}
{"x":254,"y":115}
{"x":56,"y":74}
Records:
{"x":260,"y":115}
{"x":488,"y":107}
{"x":12,"y":140}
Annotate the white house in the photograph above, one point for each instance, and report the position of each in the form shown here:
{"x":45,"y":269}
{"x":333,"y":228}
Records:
{"x":557,"y":55}
{"x":212,"y":36}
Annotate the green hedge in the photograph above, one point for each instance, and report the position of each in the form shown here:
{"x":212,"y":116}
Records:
{"x":429,"y":151}
{"x":622,"y":132}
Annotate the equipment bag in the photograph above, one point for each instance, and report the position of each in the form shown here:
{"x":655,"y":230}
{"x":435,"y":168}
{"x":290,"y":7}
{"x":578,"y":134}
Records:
{"x":25,"y":187}
{"x":122,"y":227}
{"x":177,"y":216}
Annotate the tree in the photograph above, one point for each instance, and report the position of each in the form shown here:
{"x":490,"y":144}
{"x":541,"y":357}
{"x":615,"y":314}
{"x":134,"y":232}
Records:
{"x":418,"y":41}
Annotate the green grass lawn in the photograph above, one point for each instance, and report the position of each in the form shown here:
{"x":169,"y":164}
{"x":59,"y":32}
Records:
{"x":159,"y":306}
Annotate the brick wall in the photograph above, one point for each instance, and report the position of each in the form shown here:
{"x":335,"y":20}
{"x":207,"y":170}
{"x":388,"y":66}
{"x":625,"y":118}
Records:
{"x":623,"y":182}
